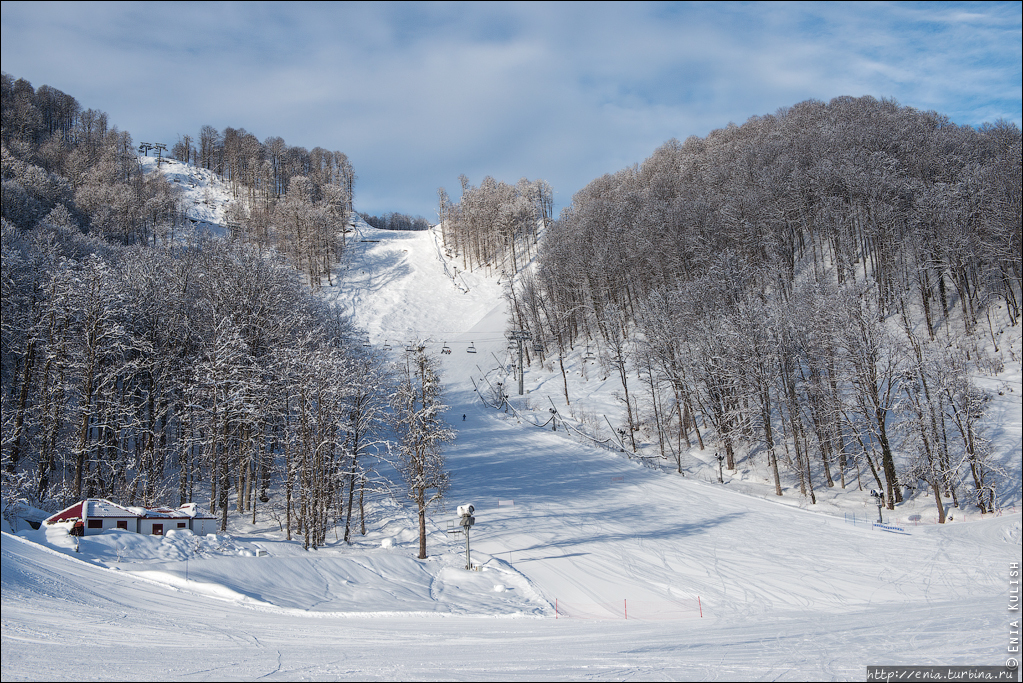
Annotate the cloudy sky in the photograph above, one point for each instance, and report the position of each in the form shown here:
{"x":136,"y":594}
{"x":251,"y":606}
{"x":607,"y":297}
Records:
{"x":419,"y":93}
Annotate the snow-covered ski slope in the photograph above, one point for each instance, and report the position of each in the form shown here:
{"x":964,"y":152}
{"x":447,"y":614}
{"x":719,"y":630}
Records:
{"x":401,"y":286}
{"x":572,"y":539}
{"x":201,"y":192}
{"x":64,"y":619}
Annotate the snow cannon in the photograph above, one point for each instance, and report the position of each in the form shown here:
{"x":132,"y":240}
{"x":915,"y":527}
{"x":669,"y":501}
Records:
{"x":466,"y":520}
{"x":465,"y":513}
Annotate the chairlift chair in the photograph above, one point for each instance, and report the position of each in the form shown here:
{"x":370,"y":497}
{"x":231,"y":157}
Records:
{"x":387,"y":346}
{"x":471,"y":349}
{"x":445,"y":349}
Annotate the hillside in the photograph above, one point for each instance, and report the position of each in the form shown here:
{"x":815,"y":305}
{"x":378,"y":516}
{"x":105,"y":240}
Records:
{"x":571,"y":539}
{"x":827,"y":289}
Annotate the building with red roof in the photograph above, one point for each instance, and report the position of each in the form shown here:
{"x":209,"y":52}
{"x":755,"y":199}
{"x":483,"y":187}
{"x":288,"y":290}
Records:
{"x":96,"y":515}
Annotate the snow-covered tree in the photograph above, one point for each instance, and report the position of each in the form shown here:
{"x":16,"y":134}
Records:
{"x":418,"y":415}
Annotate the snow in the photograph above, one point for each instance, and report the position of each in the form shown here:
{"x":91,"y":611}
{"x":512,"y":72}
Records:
{"x":203,"y":194}
{"x":67,"y":619}
{"x":718,"y":581}
{"x":399,"y":285}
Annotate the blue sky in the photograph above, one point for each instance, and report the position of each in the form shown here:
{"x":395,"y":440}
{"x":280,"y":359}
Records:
{"x":417,"y":93}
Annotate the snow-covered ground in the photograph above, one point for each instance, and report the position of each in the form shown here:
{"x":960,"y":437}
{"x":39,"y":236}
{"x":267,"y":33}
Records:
{"x":203,"y":195}
{"x":592,"y":564}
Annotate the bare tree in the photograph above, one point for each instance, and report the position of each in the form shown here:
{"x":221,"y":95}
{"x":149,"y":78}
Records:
{"x":419,"y":423}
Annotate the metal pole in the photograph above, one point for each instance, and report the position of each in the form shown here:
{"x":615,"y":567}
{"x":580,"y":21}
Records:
{"x":520,"y":336}
{"x":520,"y":367}
{"x":468,"y":558}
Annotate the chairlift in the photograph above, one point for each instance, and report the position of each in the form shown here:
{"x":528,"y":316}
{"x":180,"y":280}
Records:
{"x":445,"y":349}
{"x":538,"y":347}
{"x":410,"y":348}
{"x":589,"y":355}
{"x":387,"y":346}
{"x":471,"y":349}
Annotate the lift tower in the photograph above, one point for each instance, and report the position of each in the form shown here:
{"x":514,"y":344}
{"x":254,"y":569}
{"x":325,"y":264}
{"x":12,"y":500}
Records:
{"x":520,"y":336}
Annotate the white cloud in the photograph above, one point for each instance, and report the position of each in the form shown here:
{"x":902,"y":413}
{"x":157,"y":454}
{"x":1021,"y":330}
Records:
{"x":418,"y":93}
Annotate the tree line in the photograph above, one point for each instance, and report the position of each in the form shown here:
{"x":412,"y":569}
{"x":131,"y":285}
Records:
{"x":495,"y":224}
{"x":157,"y":371}
{"x":396,"y":221}
{"x":813,"y":287}
{"x":263,"y":170}
{"x":60,"y":158}
{"x":295,"y":200}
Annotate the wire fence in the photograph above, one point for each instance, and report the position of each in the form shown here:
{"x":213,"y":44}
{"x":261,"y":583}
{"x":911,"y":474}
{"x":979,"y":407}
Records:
{"x":555,"y":421}
{"x":908,"y":520}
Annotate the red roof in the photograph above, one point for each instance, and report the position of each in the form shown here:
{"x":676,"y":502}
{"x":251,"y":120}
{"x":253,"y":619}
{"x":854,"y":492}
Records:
{"x":71,"y":513}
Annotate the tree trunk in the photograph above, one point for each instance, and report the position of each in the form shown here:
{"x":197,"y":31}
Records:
{"x":422,"y":527}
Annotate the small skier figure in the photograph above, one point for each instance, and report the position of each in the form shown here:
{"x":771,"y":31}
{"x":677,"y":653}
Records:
{"x":463,"y":417}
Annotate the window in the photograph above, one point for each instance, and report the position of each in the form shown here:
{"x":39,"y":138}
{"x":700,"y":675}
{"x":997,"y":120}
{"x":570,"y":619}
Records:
{"x":95,"y":523}
{"x":181,"y":525}
{"x":158,"y":529}
{"x":122,"y":524}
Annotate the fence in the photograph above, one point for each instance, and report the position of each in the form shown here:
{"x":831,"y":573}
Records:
{"x":911,"y":519}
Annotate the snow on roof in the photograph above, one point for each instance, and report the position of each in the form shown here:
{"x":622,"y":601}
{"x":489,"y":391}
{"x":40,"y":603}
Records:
{"x":94,"y":507}
{"x":65,"y":515}
{"x":98,"y":507}
{"x":169,"y":513}
{"x":192,"y":510}
{"x":186,"y":511}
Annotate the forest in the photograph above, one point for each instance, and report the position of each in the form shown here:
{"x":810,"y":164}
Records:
{"x":819,"y":287}
{"x":396,"y":221}
{"x":152,"y":364}
{"x":495,"y":225}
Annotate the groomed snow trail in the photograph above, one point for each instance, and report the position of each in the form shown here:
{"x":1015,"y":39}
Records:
{"x":68,"y":620}
{"x":594,"y":531}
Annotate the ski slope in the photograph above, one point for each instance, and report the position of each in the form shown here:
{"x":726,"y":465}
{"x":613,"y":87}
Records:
{"x":64,"y":619}
{"x":592,"y":565}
